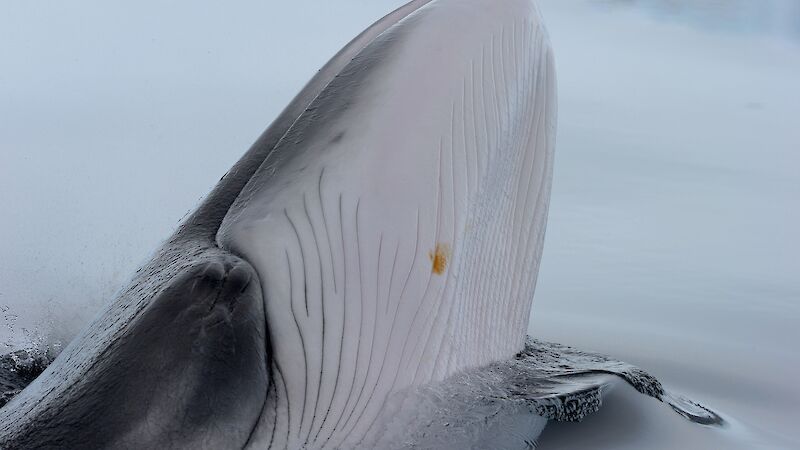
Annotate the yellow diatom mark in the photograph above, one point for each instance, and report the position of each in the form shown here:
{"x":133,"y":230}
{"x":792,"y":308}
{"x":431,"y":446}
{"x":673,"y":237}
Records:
{"x":439,"y":257}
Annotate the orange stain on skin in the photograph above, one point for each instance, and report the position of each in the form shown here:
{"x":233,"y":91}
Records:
{"x":439,"y":258}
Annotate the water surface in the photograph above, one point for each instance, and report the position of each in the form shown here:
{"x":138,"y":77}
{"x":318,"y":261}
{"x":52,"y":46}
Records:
{"x":672,"y":240}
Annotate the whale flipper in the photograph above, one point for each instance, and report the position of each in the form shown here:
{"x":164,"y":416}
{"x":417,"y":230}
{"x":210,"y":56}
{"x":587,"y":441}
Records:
{"x":507,"y":404}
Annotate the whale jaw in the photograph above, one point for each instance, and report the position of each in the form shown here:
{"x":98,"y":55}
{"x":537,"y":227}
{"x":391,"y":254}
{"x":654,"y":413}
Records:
{"x":397,"y":227}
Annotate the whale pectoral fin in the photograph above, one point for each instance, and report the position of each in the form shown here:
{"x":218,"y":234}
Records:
{"x":515,"y":398}
{"x":572,"y":377}
{"x":189,"y":372}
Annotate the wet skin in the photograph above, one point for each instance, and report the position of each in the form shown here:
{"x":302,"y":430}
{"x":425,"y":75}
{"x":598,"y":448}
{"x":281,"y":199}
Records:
{"x":189,"y":372}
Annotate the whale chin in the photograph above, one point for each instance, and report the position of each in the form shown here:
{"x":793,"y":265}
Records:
{"x":397,"y":226}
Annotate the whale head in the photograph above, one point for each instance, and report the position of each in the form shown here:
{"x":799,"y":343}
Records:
{"x":398,"y":224}
{"x":384,"y":233}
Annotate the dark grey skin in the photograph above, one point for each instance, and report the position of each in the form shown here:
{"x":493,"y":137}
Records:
{"x":180,"y":357}
{"x":189,"y":366}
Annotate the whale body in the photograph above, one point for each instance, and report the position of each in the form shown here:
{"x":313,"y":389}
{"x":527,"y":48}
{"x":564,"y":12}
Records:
{"x":377,"y":245}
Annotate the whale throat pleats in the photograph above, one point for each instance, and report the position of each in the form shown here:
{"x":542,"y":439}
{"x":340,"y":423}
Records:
{"x":397,"y":226}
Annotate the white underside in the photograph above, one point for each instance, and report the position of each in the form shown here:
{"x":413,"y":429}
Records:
{"x":402,"y":243}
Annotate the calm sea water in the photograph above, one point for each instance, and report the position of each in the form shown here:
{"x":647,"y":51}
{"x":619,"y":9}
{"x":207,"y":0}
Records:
{"x":673,"y":235}
{"x":672,"y":241}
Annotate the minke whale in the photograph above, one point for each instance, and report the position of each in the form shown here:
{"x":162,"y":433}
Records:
{"x":362,"y":277}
